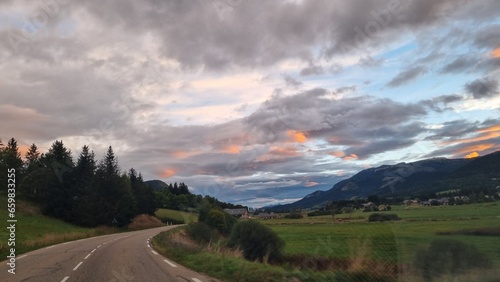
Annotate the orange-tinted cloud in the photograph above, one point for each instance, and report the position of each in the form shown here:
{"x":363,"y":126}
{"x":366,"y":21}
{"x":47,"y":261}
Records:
{"x":169,"y":172}
{"x":484,"y":134}
{"x":276,"y":152}
{"x":491,"y":128}
{"x":470,"y":150}
{"x":350,"y":157}
{"x":496,"y":53}
{"x":297,"y":136}
{"x":232,"y":149}
{"x":311,"y":184}
{"x":472,"y":155}
{"x":338,"y":154}
{"x":180,"y":154}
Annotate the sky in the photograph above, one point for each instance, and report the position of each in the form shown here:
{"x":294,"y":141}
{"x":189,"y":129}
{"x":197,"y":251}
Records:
{"x":253,"y":102}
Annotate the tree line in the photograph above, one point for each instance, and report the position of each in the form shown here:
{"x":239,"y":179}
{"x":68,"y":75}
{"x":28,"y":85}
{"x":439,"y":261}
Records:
{"x":85,"y":192}
{"x":89,"y":192}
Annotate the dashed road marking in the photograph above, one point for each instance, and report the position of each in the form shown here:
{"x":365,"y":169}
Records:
{"x":93,"y":250}
{"x":154,"y":252}
{"x":65,"y":278}
{"x":49,"y":247}
{"x":196,"y":280}
{"x":149,"y":246}
{"x":98,"y":246}
{"x":77,"y":266}
{"x":171,"y":264}
{"x":87,"y":256}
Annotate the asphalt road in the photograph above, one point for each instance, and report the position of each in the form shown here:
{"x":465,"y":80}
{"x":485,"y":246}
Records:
{"x":114,"y":258}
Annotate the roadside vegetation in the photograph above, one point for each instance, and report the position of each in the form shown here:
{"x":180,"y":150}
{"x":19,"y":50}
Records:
{"x":349,"y":247}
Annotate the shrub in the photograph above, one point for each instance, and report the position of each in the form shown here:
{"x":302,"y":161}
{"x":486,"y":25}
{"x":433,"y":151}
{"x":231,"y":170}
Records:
{"x":256,"y":241}
{"x":144,"y":221}
{"x":383,"y":217}
{"x":445,"y":256}
{"x":217,"y":218}
{"x":294,"y":216}
{"x":200,"y":232}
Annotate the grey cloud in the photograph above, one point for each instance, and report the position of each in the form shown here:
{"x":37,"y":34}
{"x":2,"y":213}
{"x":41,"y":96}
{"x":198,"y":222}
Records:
{"x":291,"y":82}
{"x":369,"y":62}
{"x":440,"y":103}
{"x":406,"y":76}
{"x":482,"y":88}
{"x":453,"y":129}
{"x":346,"y":122}
{"x":488,"y":37}
{"x":312,"y":70}
{"x":460,"y":64}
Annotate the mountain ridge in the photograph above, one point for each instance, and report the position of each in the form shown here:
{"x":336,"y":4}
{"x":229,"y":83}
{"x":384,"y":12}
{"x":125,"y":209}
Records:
{"x":406,"y":180}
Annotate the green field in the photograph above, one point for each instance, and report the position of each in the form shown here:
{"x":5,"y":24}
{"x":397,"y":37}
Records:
{"x":325,"y":236}
{"x":372,"y":247}
{"x":187,"y":217}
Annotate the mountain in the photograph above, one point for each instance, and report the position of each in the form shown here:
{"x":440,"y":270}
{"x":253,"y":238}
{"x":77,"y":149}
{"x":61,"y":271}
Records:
{"x":409,"y":179}
{"x":156,"y":184}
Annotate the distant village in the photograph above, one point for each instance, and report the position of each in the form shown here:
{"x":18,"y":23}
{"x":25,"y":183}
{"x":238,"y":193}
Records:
{"x":367,"y":206}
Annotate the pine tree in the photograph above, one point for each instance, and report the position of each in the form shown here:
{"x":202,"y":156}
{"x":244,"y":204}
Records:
{"x":86,"y":198}
{"x":115,"y":192}
{"x":34,"y":174}
{"x":32,"y":156}
{"x":58,"y":193}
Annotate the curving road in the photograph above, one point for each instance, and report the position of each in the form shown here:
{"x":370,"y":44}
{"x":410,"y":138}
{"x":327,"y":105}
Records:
{"x":113,"y":258}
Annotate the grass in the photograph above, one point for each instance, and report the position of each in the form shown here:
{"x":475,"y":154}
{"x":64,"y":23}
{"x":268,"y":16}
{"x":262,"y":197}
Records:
{"x":364,"y":246}
{"x":179,"y":216}
{"x":220,"y":264}
{"x":34,"y":231}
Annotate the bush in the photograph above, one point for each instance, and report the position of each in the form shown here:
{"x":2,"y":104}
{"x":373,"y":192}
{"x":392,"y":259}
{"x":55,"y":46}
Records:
{"x":294,"y":216}
{"x":319,"y":213}
{"x":256,"y":241}
{"x":445,"y":256}
{"x":200,"y":232}
{"x":383,"y":217}
{"x":144,"y":221}
{"x":217,"y":218}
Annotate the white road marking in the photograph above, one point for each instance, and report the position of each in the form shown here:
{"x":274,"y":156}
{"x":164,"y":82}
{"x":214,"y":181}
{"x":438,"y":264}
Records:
{"x":196,"y":280}
{"x":149,"y":246}
{"x":66,"y":243}
{"x":50,"y":247}
{"x":22,"y":257}
{"x":76,"y":267}
{"x":93,"y":250}
{"x":65,"y":278}
{"x":154,"y":252}
{"x":98,"y":246}
{"x":87,"y":256}
{"x":171,"y":264}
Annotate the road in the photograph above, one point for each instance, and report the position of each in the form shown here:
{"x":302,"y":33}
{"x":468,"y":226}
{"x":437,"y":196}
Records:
{"x":113,"y":258}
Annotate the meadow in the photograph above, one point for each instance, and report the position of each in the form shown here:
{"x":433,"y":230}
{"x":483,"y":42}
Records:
{"x":177,"y":216}
{"x":344,"y":235}
{"x":349,"y":248}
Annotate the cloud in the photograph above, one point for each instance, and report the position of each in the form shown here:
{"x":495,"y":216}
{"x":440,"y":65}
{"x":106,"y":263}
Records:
{"x":407,"y":76}
{"x":291,"y":82}
{"x":441,"y":103}
{"x":460,"y":64}
{"x":312,"y":70}
{"x":482,"y":88}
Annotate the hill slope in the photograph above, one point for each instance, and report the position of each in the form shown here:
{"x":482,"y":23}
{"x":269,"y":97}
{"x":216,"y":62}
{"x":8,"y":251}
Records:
{"x":409,"y":179}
